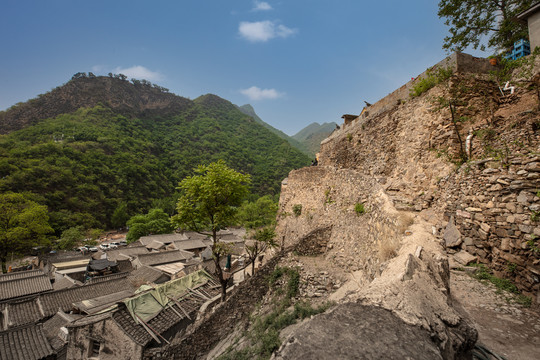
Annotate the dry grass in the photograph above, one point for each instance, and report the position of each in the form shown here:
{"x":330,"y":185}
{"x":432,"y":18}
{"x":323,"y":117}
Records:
{"x":389,"y":242}
{"x":403,"y":223}
{"x":388,"y":248}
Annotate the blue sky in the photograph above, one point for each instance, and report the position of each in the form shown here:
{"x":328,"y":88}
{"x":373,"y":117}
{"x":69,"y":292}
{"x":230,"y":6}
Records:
{"x":296,"y":61}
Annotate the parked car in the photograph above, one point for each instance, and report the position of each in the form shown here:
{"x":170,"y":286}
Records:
{"x":114,"y":245}
{"x":104,"y":247}
{"x":82,"y":249}
{"x":123,"y":243}
{"x":91,"y":248}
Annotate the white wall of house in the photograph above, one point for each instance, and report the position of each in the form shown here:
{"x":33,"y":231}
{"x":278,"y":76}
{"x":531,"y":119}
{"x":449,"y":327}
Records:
{"x":534,"y":30}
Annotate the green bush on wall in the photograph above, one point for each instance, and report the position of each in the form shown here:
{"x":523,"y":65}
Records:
{"x":359,"y":209}
{"x":432,"y":78}
{"x":297,"y":210}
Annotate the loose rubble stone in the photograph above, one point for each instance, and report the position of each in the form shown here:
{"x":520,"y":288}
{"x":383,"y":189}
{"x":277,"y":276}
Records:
{"x":464,"y":258}
{"x":452,"y":236}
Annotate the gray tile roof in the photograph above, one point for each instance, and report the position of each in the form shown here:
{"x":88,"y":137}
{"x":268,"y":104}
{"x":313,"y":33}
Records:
{"x":23,"y":312}
{"x":51,"y":328}
{"x":24,"y":343}
{"x":65,"y":282}
{"x":98,"y":279}
{"x":155,"y":245}
{"x":164,"y":257}
{"x":195,"y":235}
{"x":18,"y":287}
{"x":47,"y":304}
{"x":20,"y":275}
{"x":164,"y":238}
{"x":95,"y":305}
{"x":121,"y":253}
{"x":190,"y":244}
{"x":147,"y":274}
{"x":63,"y":299}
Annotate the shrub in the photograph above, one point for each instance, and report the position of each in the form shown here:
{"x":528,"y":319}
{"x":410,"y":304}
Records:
{"x":431,"y":79}
{"x":297,"y":210}
{"x":359,"y":209}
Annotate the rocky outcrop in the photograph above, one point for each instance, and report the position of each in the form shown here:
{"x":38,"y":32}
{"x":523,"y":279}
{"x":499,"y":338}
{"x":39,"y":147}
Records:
{"x":402,"y":162}
{"x":404,"y":265}
{"x":355,"y":331}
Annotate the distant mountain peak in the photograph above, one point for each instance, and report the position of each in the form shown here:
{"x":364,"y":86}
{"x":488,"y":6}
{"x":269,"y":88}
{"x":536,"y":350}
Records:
{"x":312,"y":135}
{"x":114,"y":92}
{"x":250,"y":111}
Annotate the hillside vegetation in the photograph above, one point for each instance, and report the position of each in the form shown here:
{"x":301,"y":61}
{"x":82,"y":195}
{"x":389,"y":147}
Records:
{"x":99,"y":144}
{"x":311,"y":136}
{"x":248,"y":110}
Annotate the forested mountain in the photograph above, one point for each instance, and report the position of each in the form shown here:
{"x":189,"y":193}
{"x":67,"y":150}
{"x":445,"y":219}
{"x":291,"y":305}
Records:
{"x":100,"y":144}
{"x":312,"y":135}
{"x":248,"y":110}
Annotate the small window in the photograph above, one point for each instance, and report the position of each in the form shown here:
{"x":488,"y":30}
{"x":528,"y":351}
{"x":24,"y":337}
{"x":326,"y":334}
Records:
{"x":93,"y":350}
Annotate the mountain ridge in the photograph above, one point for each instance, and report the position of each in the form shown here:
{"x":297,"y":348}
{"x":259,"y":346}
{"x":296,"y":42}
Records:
{"x":249,"y":110}
{"x":312,"y":135}
{"x":110,"y":142}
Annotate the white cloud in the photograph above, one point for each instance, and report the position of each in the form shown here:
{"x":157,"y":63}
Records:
{"x":261,"y":6}
{"x":255,"y":93}
{"x":263,"y":30}
{"x":139,"y":72}
{"x":98,"y":68}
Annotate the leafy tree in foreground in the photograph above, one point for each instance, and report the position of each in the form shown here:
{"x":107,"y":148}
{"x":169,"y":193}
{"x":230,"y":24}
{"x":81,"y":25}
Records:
{"x":23,"y":224}
{"x":208,"y":202}
{"x":155,"y":222}
{"x":472,"y":20}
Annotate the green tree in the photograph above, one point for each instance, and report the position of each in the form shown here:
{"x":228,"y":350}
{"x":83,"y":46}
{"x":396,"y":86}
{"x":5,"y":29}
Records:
{"x":263,"y":239}
{"x":71,"y":237}
{"x":472,"y":20}
{"x":155,"y":222}
{"x":23,"y":224}
{"x":259,"y":213}
{"x":120,"y":216}
{"x":208,"y":202}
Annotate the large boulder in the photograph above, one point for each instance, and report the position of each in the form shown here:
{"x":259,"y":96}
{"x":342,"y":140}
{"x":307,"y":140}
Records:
{"x":355,"y":331}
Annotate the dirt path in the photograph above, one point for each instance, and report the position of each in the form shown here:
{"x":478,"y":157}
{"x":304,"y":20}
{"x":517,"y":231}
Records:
{"x":504,"y":327}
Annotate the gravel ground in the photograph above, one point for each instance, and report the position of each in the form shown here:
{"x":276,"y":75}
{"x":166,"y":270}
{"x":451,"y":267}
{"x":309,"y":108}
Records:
{"x":504,"y":327}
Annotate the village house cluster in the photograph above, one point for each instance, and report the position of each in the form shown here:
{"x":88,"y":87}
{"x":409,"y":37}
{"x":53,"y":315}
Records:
{"x":114,"y":304}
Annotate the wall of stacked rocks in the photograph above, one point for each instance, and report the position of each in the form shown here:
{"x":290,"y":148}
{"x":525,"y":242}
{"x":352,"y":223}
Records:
{"x":496,"y":208}
{"x":328,"y":197}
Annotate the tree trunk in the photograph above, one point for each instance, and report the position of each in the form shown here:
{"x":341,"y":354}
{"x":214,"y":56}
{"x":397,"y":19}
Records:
{"x":219,"y":274}
{"x":223,"y":291}
{"x":253,"y":267}
{"x":4,"y":268}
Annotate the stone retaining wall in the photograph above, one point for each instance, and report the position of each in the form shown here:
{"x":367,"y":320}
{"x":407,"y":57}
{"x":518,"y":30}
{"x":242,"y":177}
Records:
{"x":497,"y":211}
{"x":458,"y":62}
{"x":354,"y":241}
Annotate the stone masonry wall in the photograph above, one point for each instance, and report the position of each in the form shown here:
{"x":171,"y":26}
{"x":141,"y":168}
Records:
{"x":328,"y":197}
{"x":408,"y":148}
{"x":458,"y":62}
{"x":314,"y":243}
{"x":497,"y":211}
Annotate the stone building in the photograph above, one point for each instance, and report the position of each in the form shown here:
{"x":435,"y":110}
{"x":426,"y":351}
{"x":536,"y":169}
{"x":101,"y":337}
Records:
{"x":147,"y":320}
